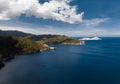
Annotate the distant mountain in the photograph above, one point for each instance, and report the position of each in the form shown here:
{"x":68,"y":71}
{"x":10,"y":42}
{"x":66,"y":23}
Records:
{"x":13,"y":33}
{"x":25,"y":35}
{"x":43,"y":38}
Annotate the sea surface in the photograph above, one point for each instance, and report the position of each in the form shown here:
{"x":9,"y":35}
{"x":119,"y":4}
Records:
{"x":96,"y":62}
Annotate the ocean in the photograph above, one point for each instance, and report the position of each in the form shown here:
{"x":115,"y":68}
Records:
{"x":96,"y":62}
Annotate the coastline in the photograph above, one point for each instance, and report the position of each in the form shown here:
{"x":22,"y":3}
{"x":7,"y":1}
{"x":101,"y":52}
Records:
{"x":79,"y":43}
{"x":17,"y":45}
{"x":2,"y":64}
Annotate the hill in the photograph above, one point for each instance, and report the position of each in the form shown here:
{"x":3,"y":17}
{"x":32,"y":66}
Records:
{"x":25,"y":35}
{"x":42,"y":38}
{"x":13,"y":33}
{"x":16,"y":42}
{"x":12,"y":45}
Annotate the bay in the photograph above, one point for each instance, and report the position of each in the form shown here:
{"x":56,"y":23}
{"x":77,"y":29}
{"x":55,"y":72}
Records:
{"x":96,"y":62}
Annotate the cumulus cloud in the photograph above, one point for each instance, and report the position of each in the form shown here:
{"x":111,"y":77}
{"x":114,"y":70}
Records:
{"x":59,"y":10}
{"x":94,"y":22}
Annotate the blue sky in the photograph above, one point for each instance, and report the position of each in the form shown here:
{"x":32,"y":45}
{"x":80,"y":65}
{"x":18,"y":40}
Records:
{"x":79,"y":17}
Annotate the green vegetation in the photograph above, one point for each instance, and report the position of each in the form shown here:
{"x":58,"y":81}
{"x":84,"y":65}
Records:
{"x":15,"y":42}
{"x":70,"y":40}
{"x":40,"y":38}
{"x":59,"y":39}
{"x":10,"y":46}
{"x":28,"y":46}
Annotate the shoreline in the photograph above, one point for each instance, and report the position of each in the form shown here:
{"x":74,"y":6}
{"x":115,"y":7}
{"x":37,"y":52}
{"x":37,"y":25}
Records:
{"x":80,"y":43}
{"x":2,"y":64}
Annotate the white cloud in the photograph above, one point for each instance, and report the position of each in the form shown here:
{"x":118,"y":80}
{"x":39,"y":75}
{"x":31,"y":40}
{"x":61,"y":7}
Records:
{"x":94,"y":22}
{"x":59,"y":10}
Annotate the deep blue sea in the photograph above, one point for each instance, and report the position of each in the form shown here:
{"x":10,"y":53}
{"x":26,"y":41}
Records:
{"x":96,"y":62}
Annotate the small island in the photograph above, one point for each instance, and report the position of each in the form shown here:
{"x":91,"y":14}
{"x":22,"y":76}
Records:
{"x":14,"y":43}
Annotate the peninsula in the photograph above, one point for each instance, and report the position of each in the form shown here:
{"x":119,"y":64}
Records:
{"x":14,"y":43}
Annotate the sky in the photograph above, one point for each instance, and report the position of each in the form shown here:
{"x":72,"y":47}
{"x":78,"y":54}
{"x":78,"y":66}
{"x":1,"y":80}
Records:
{"x":80,"y":18}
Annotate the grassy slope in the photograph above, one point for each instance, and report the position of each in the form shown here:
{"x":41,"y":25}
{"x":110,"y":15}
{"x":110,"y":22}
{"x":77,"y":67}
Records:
{"x":9,"y":46}
{"x":59,"y":39}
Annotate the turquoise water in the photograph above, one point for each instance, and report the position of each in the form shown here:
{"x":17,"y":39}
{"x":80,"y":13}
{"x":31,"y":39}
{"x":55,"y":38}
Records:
{"x":97,"y":62}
